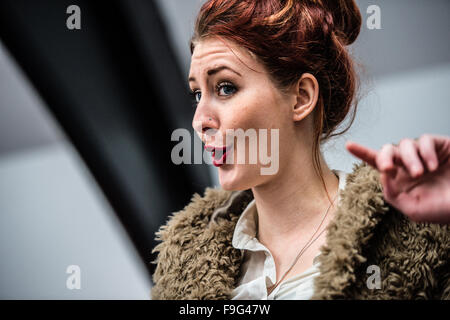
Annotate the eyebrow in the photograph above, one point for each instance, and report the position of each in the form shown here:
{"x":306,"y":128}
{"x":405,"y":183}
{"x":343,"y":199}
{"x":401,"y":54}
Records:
{"x":215,"y":70}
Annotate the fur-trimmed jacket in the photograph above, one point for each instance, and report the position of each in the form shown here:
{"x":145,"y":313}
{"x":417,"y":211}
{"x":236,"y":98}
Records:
{"x":196,"y":259}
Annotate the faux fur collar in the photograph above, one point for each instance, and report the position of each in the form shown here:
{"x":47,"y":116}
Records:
{"x":361,"y":208}
{"x":197,"y":261}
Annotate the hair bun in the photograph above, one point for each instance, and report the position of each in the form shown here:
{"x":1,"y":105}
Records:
{"x":346,"y":17}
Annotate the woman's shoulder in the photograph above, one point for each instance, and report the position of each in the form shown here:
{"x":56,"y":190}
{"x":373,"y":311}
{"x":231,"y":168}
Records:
{"x":186,"y":250}
{"x":215,"y":212}
{"x":367,"y":230}
{"x":195,"y":214}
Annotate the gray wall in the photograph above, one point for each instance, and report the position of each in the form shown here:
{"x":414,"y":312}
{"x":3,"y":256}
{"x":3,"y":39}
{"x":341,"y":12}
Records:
{"x":52,"y":214}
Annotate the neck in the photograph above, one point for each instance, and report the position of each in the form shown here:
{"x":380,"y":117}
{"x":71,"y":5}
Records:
{"x":294,"y":202}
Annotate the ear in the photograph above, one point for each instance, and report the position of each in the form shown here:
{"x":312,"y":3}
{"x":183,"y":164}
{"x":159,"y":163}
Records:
{"x":307,"y":94}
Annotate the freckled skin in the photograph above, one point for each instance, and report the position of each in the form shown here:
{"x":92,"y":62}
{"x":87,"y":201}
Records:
{"x":256,"y":104}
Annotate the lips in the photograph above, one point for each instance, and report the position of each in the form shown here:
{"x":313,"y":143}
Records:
{"x":221,"y":157}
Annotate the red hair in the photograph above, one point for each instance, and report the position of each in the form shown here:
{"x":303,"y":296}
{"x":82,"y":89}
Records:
{"x":290,"y":38}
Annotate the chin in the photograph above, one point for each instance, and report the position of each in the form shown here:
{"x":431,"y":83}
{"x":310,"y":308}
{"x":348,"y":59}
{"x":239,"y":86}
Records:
{"x":227,"y":179}
{"x":232,"y":178}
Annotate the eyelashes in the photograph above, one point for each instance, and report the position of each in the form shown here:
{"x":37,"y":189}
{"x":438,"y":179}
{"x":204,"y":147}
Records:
{"x":223,"y":85}
{"x":193,"y":95}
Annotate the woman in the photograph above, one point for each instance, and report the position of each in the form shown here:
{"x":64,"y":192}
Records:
{"x":306,"y":231}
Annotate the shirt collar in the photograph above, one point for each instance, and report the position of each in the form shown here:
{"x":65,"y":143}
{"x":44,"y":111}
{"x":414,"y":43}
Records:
{"x":245,"y":229}
{"x":342,"y":176}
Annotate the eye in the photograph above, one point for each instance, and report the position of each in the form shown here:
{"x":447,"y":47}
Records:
{"x":195,"y":96}
{"x":227,"y":88}
{"x":223,"y":89}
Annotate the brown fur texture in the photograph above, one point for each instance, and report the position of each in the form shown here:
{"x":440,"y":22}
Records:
{"x":197,"y":261}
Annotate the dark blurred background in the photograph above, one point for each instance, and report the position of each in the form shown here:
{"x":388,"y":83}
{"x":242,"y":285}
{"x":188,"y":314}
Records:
{"x":86,"y":118}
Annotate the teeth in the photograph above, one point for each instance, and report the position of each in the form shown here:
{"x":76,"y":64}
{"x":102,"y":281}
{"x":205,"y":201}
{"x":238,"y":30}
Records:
{"x":218,"y":155}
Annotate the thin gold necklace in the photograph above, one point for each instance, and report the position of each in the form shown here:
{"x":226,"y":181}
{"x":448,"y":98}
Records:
{"x":307,"y":245}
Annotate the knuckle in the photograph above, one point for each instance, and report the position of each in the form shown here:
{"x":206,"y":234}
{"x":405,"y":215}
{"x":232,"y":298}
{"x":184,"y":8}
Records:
{"x":406,"y":144}
{"x":425,"y":138}
{"x":387,"y":150}
{"x":402,"y":143}
{"x":405,"y":141}
{"x":378,"y":160}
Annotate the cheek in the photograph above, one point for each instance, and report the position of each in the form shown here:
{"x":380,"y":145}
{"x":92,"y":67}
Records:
{"x":255,"y":110}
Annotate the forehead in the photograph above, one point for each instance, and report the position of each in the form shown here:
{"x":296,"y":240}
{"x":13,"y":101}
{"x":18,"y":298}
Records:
{"x":208,"y":52}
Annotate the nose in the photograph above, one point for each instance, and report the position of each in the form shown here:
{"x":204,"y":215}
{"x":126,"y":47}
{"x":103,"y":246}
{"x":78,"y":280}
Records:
{"x":205,"y":121}
{"x":205,"y":127}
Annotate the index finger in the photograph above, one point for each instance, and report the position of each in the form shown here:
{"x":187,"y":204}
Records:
{"x":366,"y":154}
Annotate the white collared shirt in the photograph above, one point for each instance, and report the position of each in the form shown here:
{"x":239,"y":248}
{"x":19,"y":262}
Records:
{"x":258,"y":268}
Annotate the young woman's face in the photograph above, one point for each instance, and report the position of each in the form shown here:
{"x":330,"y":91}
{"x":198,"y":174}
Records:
{"x":237,"y":97}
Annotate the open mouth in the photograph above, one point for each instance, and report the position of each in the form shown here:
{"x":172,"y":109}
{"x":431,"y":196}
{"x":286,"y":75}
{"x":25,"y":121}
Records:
{"x":219,"y":154}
